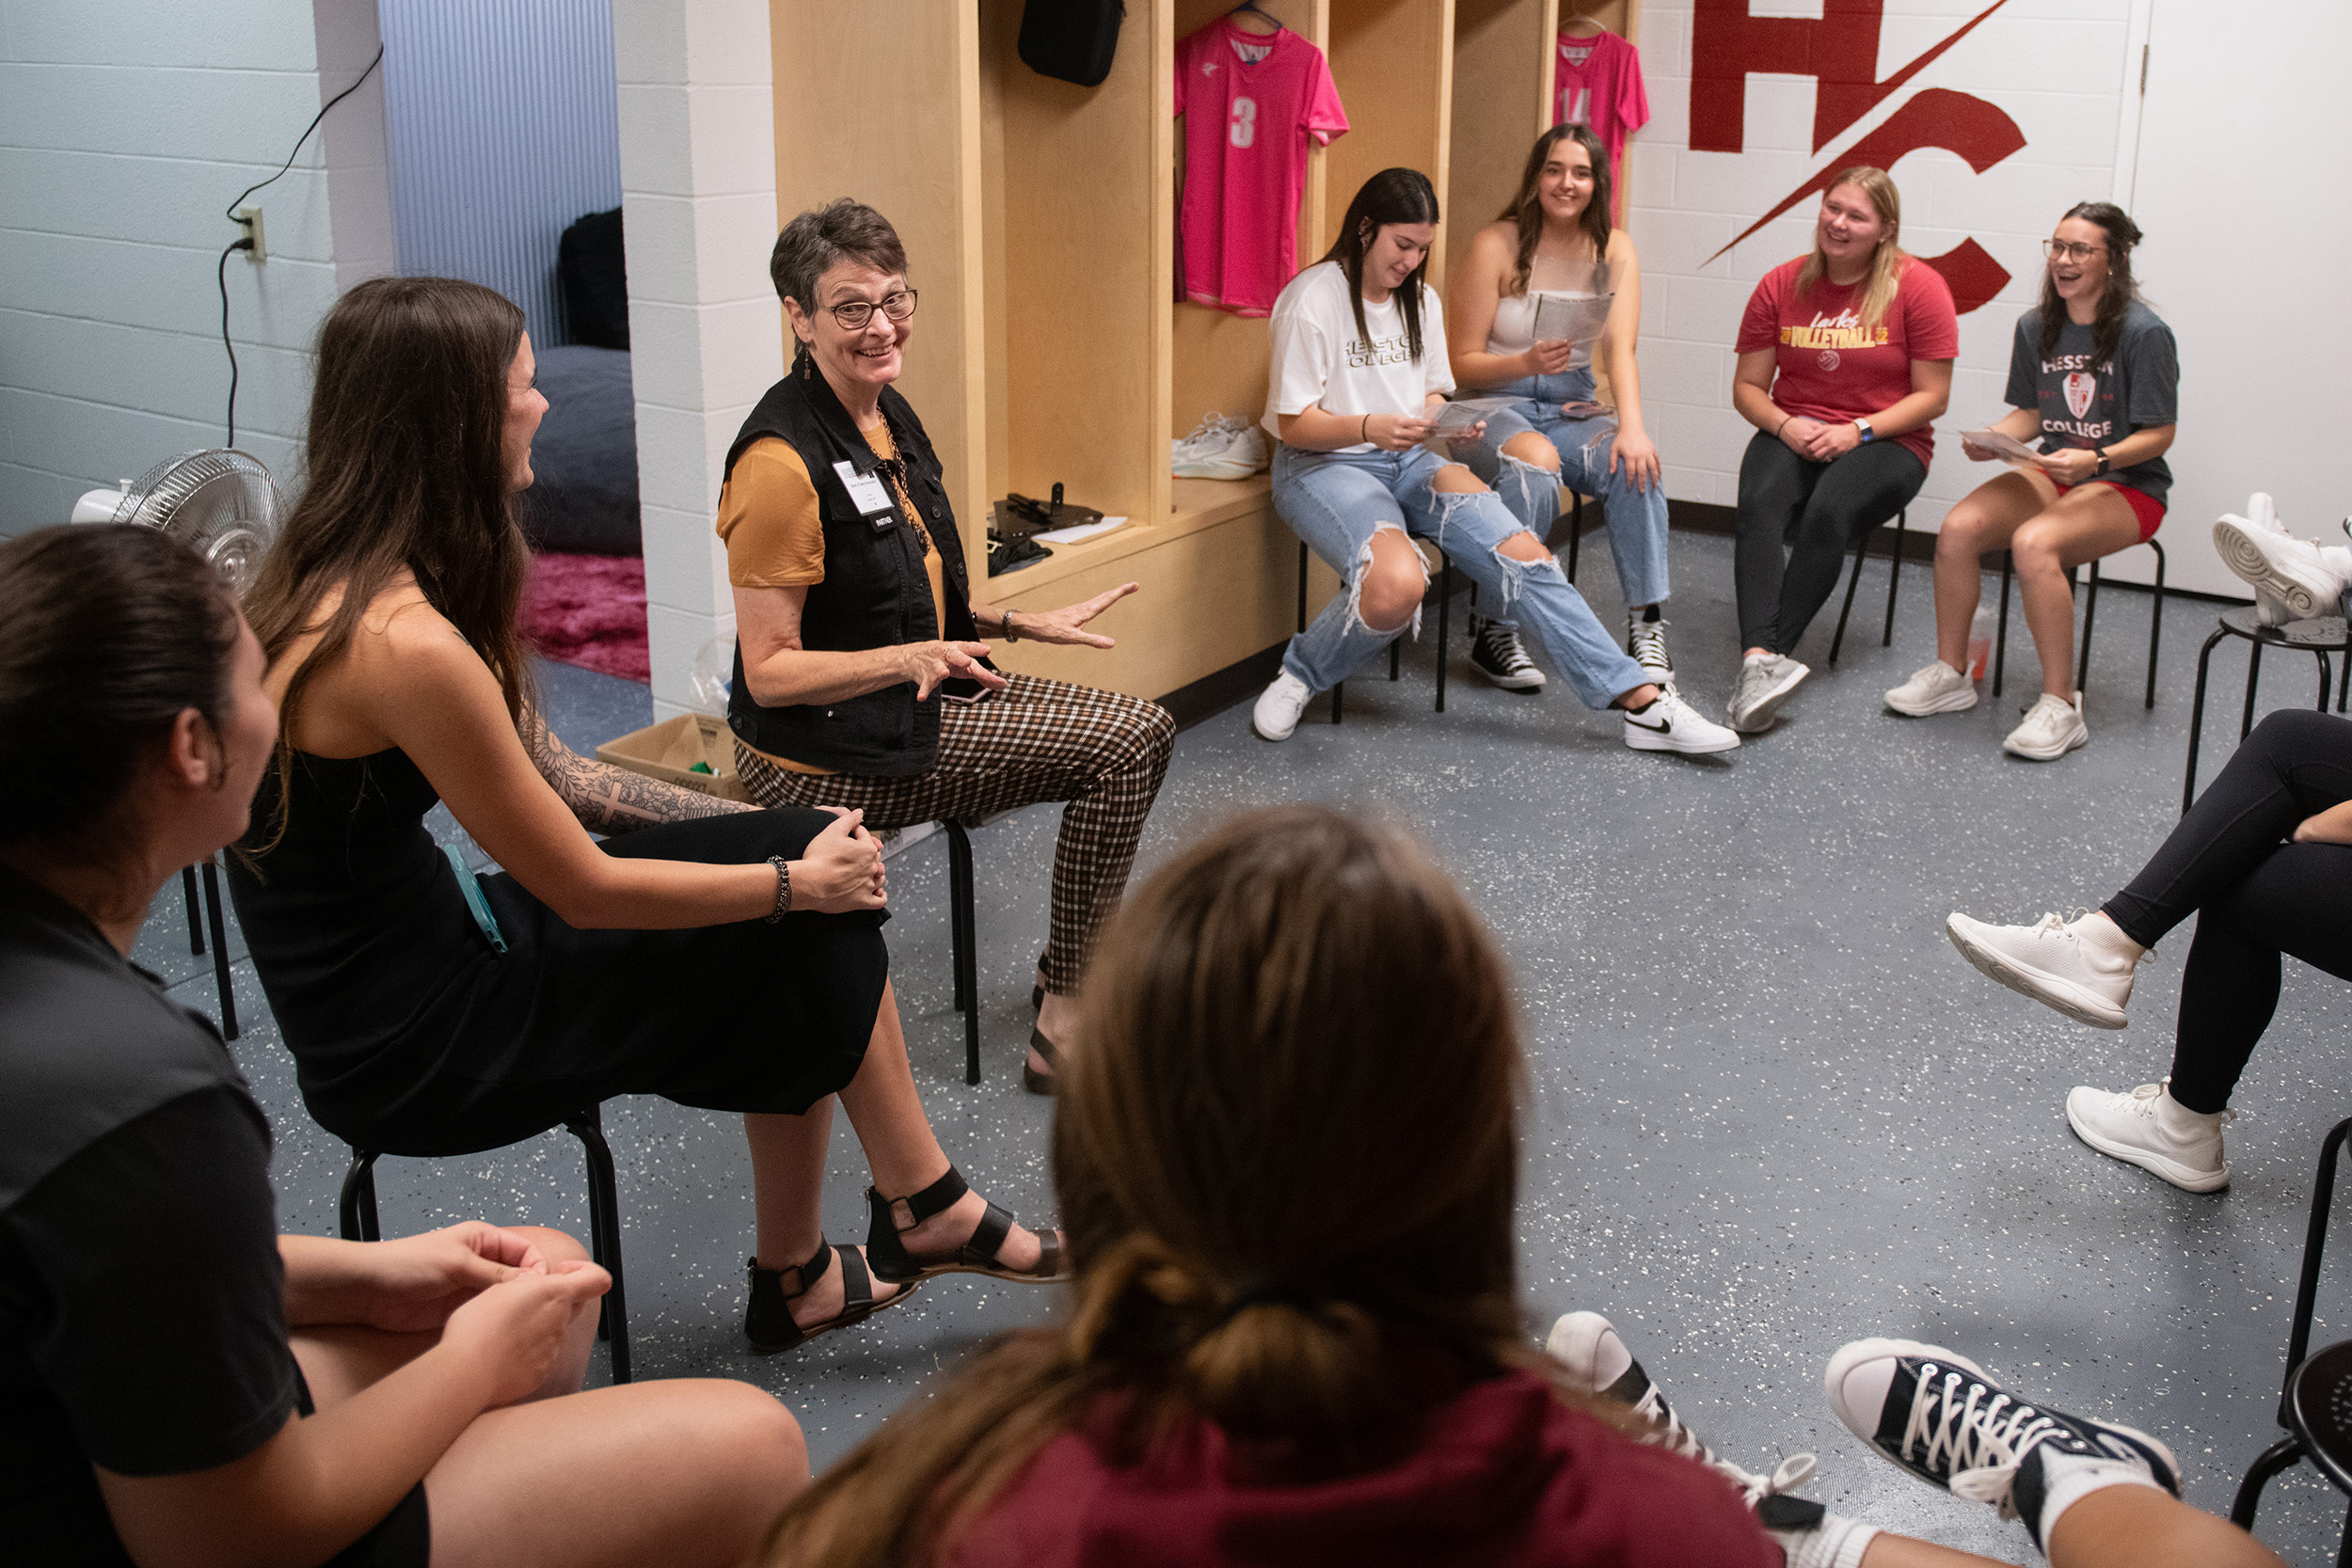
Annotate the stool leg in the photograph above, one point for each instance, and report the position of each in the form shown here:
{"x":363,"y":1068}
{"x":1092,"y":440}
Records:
{"x":1445,"y":605}
{"x":604,"y":1232}
{"x":2196,"y":719}
{"x":1339,"y":695}
{"x":220,"y":950}
{"x":2090,"y":615}
{"x":2276,"y":1457}
{"x":1853,"y":580}
{"x":356,"y":1211}
{"x":2344,"y":680}
{"x":1302,"y":585}
{"x":2253,"y":678}
{"x":1576,"y":531}
{"x":967,"y":958}
{"x":2156,"y":625}
{"x":2000,"y":635}
{"x":958,"y":912}
{"x":1894,"y":577}
{"x":2324,"y":681}
{"x":195,"y":926}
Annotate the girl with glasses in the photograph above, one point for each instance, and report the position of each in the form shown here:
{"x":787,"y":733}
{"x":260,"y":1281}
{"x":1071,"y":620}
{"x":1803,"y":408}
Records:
{"x":2092,"y":378}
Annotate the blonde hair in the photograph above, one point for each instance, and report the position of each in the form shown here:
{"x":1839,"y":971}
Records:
{"x":1887,"y":264}
{"x":1288,"y":1151}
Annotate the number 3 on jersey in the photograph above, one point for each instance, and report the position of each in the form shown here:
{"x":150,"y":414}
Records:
{"x":1243,"y":128}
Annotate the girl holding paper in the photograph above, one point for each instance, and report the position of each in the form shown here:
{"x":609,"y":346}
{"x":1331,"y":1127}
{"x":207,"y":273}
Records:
{"x":1356,"y":385}
{"x":1547,"y":295}
{"x":2093,"y":376}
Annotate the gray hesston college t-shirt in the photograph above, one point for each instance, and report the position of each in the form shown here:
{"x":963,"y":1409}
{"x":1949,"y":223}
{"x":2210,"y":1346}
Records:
{"x":2084,"y":404}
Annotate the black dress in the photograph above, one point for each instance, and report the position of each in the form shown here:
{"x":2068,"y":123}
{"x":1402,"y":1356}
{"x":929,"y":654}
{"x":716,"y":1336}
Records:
{"x":412,"y":1035}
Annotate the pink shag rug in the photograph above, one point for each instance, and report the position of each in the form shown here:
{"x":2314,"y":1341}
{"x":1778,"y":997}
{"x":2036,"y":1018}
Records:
{"x":589,"y":610}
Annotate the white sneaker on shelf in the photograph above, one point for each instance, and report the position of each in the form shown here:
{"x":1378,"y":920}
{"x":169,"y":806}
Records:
{"x":1672,"y":724}
{"x":1765,"y":682}
{"x":1645,"y":643}
{"x":1937,"y":688}
{"x":1598,"y":1363}
{"x":2149,"y":1128}
{"x":2306,"y":578}
{"x":2052,"y":727}
{"x":1278,"y":708}
{"x":1498,"y":653}
{"x":1220,"y":448}
{"x":2057,"y":963}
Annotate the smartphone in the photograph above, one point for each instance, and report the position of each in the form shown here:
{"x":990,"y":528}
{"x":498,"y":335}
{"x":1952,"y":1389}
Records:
{"x":961,"y":689}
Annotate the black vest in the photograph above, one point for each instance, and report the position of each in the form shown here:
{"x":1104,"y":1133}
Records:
{"x":875,"y":594}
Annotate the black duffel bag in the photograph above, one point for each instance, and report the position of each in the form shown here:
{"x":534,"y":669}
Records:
{"x":1071,"y":40}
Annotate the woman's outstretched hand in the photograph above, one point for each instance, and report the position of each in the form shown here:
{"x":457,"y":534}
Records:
{"x":841,"y":869}
{"x":1068,"y":623}
{"x":1548,"y":356}
{"x":926,"y":664}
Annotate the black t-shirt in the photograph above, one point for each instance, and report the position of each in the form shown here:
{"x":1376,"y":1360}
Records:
{"x":142,"y":1301}
{"x":2083,"y":404}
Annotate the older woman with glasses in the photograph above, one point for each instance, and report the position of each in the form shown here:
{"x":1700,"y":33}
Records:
{"x":2092,"y":376}
{"x":860,"y":680}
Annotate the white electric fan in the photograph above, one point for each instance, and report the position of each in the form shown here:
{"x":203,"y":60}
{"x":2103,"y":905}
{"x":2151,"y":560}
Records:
{"x":222,"y":504}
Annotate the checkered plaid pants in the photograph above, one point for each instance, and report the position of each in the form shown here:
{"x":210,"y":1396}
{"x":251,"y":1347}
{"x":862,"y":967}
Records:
{"x":1034,"y":740}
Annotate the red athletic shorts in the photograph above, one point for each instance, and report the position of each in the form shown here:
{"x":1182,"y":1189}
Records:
{"x":2145,"y":507}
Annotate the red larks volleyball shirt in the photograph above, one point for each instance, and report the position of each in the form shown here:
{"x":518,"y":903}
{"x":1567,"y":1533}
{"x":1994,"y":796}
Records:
{"x":1506,"y":1477}
{"x":1828,"y":366}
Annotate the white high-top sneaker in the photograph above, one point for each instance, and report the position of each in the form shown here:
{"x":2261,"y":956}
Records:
{"x":2083,"y":968}
{"x":2149,"y":1128}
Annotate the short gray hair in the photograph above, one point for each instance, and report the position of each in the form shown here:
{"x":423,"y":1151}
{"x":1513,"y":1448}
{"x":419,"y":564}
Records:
{"x":841,"y":231}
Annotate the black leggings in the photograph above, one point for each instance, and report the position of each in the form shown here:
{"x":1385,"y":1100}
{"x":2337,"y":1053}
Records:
{"x":2256,"y":896}
{"x":1818,"y":510}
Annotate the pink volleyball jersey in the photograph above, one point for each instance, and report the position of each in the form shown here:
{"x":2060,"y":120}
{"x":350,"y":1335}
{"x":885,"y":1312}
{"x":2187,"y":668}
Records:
{"x":1599,"y":84}
{"x":1251,"y":102}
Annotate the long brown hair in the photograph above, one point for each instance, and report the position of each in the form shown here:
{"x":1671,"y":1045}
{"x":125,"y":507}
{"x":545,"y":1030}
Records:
{"x":1527,"y":209}
{"x":2107,"y":326}
{"x":1285,"y":1163}
{"x":1888,"y":263}
{"x":408,"y":470}
{"x":1392,"y":196}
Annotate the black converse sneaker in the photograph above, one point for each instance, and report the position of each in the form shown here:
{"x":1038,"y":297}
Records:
{"x":1497,"y":653}
{"x":1646,"y":642}
{"x":1938,"y":1415}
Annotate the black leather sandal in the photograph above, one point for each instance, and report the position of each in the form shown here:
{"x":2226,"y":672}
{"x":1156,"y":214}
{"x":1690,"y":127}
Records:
{"x":767,"y":1316}
{"x":893,"y":1262}
{"x":1032,"y":1080}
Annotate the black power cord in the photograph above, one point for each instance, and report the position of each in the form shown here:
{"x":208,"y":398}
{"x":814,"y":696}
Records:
{"x":247,"y":242}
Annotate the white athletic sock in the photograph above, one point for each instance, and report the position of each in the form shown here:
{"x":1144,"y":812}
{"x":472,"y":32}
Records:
{"x":1837,"y":1542}
{"x":2067,"y":1479}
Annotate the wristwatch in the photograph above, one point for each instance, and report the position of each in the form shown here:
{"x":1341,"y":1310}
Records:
{"x":1869,"y":434}
{"x":2103,"y":461}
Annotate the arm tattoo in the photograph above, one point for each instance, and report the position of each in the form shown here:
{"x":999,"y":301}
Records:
{"x":608,"y":799}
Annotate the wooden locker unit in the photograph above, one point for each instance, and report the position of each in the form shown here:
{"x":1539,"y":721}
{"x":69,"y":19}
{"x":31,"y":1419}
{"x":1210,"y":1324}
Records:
{"x":1040,"y":223}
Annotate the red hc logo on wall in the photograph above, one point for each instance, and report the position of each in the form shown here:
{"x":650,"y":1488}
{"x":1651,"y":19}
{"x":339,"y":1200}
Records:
{"x":1840,"y":52}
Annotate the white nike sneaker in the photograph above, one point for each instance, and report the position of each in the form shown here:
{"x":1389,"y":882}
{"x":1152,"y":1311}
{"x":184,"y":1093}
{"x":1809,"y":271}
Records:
{"x":1765,"y":682}
{"x":1672,"y":724}
{"x":1278,"y":708}
{"x":1220,"y":448}
{"x":2057,"y":962}
{"x":1937,"y":688}
{"x":2308,"y":579}
{"x":2149,"y":1128}
{"x":2052,"y":727}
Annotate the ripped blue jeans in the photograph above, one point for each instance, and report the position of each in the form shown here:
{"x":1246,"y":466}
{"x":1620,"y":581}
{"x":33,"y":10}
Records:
{"x":1637,"y":519}
{"x":1336,"y":501}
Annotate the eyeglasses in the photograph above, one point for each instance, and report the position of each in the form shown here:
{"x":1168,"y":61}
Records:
{"x":2067,"y":251}
{"x":855,"y":314}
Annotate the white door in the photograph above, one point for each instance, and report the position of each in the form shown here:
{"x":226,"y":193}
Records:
{"x":2238,"y":183}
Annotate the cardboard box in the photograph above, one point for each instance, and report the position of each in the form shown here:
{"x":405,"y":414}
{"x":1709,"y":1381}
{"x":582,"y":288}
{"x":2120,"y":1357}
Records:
{"x":668,"y":752}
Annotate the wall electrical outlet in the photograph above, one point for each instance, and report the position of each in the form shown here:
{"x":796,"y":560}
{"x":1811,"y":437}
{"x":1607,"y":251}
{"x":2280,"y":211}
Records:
{"x":249,"y":219}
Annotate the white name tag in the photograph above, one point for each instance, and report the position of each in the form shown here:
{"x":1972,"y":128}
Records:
{"x":866,"y":492}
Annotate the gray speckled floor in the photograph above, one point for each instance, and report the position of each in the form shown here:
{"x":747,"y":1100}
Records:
{"x":1773,"y":1109}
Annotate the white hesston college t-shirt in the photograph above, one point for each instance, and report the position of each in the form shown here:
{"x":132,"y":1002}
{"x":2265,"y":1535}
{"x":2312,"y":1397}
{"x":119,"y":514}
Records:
{"x":1318,"y":356}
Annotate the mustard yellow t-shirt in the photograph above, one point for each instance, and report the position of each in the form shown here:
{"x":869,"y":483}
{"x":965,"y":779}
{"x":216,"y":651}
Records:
{"x":775,"y":536}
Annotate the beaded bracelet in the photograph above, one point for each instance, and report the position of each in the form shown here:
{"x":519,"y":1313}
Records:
{"x":784,"y":889}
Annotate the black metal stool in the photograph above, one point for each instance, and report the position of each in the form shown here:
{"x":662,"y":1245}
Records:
{"x":1854,"y":579}
{"x":2091,"y":613}
{"x":964,"y":938}
{"x":357,"y":1215}
{"x":220,"y":936}
{"x":2320,"y":636}
{"x":2316,"y":1404}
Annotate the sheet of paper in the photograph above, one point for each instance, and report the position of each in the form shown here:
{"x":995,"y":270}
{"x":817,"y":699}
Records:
{"x":1578,"y":318}
{"x":2005,"y":446}
{"x":1084,"y":530}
